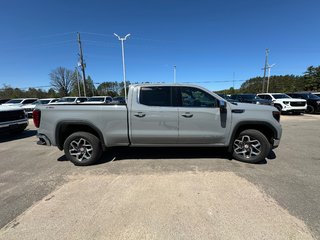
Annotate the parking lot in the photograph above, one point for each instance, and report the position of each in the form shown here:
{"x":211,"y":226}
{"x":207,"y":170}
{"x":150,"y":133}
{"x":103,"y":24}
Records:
{"x":163,"y":193}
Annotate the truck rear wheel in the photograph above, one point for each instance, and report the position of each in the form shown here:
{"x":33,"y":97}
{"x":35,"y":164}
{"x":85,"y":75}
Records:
{"x":251,"y":146}
{"x":82,"y":148}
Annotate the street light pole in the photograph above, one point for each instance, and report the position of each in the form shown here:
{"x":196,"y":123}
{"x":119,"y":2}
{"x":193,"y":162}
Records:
{"x":123,"y":63}
{"x":174,"y":74}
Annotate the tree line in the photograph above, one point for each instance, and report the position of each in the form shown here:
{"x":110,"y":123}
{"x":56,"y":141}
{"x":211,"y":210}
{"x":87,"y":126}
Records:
{"x":65,"y":82}
{"x":309,"y":81}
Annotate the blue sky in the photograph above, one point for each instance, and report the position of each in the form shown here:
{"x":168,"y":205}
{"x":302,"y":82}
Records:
{"x":208,"y":41}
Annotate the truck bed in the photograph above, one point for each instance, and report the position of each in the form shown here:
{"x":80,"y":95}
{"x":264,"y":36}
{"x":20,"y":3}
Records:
{"x":110,"y":120}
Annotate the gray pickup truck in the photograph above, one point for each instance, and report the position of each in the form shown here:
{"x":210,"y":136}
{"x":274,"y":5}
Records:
{"x":160,"y":115}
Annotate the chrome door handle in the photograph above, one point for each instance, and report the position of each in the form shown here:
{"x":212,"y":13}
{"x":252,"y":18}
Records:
{"x":140,"y":114}
{"x":187,"y":115}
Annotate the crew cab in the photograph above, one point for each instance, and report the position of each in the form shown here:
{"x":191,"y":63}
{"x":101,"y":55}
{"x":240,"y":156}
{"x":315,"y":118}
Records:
{"x":285,"y":103}
{"x":160,"y":115}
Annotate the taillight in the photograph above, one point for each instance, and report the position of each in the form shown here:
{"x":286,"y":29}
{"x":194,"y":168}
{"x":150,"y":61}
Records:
{"x":36,"y":114}
{"x":276,"y":115}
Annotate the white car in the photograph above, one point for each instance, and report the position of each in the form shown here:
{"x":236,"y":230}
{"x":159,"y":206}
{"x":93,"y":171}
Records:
{"x":19,"y":101}
{"x":285,"y":103}
{"x":71,"y":100}
{"x":99,"y":100}
{"x":30,"y":107}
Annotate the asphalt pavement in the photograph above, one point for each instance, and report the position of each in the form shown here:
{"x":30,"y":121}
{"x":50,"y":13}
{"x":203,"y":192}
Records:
{"x":157,"y":193}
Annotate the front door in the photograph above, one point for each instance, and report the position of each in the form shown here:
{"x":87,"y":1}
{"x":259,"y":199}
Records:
{"x":200,"y":120}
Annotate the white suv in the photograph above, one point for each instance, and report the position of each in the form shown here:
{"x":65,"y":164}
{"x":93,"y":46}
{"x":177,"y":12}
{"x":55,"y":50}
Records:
{"x":285,"y":103}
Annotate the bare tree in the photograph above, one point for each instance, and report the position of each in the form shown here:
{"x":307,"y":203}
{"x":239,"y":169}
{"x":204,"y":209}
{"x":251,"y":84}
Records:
{"x":62,"y":80}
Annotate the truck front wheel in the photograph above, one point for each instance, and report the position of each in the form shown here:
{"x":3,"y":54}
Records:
{"x":251,"y":146}
{"x":82,"y":148}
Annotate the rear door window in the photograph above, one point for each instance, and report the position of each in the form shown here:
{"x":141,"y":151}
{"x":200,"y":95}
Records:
{"x":156,"y":96}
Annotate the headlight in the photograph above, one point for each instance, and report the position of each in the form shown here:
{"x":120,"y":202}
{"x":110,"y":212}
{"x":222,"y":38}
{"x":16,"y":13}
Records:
{"x":286,"y":103}
{"x":318,"y":102}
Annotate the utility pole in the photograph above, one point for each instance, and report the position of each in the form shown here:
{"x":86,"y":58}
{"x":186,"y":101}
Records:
{"x":269,"y":68}
{"x":233,"y":76}
{"x":123,"y":63}
{"x":174,"y":73}
{"x":265,"y":69}
{"x":82,"y":65}
{"x":77,"y":74}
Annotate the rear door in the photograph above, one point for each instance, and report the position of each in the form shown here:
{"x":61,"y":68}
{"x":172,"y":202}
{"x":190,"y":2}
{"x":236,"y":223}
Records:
{"x":153,"y":118}
{"x":200,"y":120}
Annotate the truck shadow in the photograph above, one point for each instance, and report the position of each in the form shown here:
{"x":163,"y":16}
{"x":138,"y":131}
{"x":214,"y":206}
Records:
{"x":7,"y":137}
{"x":141,"y":153}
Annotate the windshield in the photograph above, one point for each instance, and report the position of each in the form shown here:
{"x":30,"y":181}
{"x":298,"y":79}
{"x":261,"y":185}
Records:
{"x":43,"y":101}
{"x":15,"y":101}
{"x":312,"y":96}
{"x":249,"y":96}
{"x":96,"y":99}
{"x":66,"y":100}
{"x":279,"y":96}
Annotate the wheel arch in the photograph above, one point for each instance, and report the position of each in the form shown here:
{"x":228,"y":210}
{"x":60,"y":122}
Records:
{"x":265,"y":128}
{"x":66,"y":128}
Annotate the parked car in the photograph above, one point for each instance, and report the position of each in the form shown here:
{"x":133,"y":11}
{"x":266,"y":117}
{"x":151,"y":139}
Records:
{"x":119,"y":100}
{"x":313,"y":101}
{"x":13,"y":119}
{"x":316,"y":93}
{"x":30,"y":107}
{"x":70,"y":100}
{"x":20,"y":101}
{"x":4,"y":100}
{"x":99,"y":100}
{"x":158,"y":115}
{"x":250,"y":98}
{"x":285,"y":103}
{"x":226,"y":97}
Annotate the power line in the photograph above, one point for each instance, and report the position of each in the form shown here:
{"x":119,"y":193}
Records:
{"x":22,"y":88}
{"x":98,"y":34}
{"x":220,"y":81}
{"x":39,"y":37}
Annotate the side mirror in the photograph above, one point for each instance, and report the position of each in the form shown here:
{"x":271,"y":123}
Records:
{"x":78,"y":101}
{"x":223,"y":106}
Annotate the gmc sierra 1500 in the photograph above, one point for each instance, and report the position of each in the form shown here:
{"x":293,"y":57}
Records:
{"x":160,"y":115}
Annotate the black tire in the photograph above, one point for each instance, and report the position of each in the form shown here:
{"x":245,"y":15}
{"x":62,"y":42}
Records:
{"x":279,"y":107}
{"x":82,"y":148}
{"x":310,"y":109}
{"x":251,"y":146}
